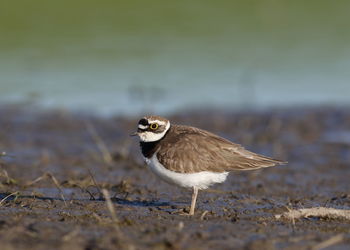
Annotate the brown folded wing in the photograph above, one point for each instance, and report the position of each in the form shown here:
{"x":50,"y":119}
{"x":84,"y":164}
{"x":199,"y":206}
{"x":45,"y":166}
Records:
{"x":195,"y":150}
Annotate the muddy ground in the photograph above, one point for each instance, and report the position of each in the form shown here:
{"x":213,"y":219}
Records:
{"x":56,"y":164}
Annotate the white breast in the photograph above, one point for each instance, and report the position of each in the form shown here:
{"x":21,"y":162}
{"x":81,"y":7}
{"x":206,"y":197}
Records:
{"x":201,"y":180}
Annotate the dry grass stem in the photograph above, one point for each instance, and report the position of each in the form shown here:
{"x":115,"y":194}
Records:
{"x":55,"y":182}
{"x":8,"y":196}
{"x":71,"y":235}
{"x":106,"y":155}
{"x":9,"y":180}
{"x":95,"y":183}
{"x":110,"y":205}
{"x":330,"y":242}
{"x":292,"y":218}
{"x":204,"y":214}
{"x":97,"y":217}
{"x":113,"y":213}
{"x":6,"y":175}
{"x":323,"y":212}
{"x":37,"y":180}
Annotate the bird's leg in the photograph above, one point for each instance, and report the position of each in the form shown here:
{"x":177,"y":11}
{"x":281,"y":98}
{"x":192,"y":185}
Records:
{"x":194,"y":198}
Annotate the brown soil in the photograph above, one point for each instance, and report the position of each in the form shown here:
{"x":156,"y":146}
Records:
{"x":54,"y":169}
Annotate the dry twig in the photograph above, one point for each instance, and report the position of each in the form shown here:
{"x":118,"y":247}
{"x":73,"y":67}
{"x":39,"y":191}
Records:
{"x":106,"y":155}
{"x":323,"y":212}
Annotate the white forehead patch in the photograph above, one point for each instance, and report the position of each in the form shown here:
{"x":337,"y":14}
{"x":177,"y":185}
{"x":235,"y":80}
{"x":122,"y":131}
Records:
{"x":140,"y":126}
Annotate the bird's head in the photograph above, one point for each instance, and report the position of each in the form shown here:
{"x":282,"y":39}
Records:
{"x":152,"y":128}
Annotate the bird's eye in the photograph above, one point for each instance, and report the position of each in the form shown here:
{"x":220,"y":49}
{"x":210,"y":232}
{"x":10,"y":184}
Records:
{"x":154,"y":126}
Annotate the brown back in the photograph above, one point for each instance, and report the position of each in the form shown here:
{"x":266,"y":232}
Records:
{"x":187,"y":149}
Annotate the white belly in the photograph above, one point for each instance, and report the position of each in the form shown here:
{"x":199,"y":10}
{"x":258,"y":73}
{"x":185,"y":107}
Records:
{"x":201,"y":180}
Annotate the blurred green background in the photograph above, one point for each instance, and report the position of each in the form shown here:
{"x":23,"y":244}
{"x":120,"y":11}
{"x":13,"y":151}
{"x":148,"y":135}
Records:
{"x":129,"y":57}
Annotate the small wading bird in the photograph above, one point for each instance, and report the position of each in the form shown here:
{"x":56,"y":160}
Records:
{"x":193,"y":158}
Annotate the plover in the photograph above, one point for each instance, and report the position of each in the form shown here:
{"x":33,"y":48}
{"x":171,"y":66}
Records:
{"x":193,"y":158}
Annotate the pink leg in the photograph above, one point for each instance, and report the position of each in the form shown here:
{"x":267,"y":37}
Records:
{"x":194,"y":199}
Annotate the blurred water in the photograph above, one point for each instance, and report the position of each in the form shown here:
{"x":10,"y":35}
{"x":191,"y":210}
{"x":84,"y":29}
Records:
{"x":130,"y":57}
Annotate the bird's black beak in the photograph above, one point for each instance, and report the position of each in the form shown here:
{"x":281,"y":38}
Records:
{"x":134,"y":134}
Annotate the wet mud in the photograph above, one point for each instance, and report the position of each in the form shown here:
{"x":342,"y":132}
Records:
{"x":55,"y":164}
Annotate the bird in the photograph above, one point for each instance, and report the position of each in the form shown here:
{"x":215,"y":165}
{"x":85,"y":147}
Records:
{"x":191,"y":157}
